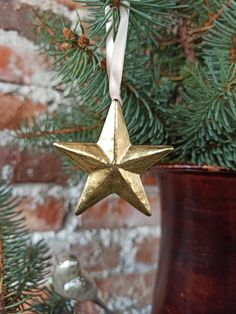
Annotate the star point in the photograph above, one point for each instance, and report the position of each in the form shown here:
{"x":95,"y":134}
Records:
{"x":114,"y":165}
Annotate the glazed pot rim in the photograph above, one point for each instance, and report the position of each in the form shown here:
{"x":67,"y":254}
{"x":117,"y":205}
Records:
{"x":188,"y":168}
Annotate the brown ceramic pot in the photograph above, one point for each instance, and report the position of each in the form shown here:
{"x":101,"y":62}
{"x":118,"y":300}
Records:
{"x":197,"y":264}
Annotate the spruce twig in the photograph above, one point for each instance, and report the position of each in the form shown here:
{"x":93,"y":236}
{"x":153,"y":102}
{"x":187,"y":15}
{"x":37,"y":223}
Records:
{"x":177,"y":86}
{"x":24,"y":267}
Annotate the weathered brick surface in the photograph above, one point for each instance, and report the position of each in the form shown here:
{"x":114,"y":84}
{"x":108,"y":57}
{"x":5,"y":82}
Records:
{"x":32,"y":167}
{"x":137,"y":287}
{"x":19,"y":16}
{"x":114,"y":212}
{"x":21,"y":66}
{"x":89,"y":308}
{"x":149,"y":178}
{"x":14,"y":111}
{"x":12,"y":65}
{"x":16,"y":16}
{"x":43,"y":216}
{"x":96,"y":257}
{"x":148,"y":251}
{"x":70,"y":4}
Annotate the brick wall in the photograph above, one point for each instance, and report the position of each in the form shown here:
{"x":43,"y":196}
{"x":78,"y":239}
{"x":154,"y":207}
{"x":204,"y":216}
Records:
{"x":116,"y":244}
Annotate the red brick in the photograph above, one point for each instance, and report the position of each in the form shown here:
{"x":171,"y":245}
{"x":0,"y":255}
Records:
{"x":148,"y":251}
{"x":38,"y":168}
{"x":20,"y":16}
{"x":14,"y":111}
{"x":149,"y":178}
{"x":5,"y":53}
{"x":12,"y":65}
{"x":70,"y":4}
{"x":43,"y":217}
{"x":9,"y":156}
{"x":16,"y":16}
{"x":88,"y":308}
{"x":20,"y":66}
{"x":95,"y":257}
{"x":114,"y":212}
{"x":32,"y":167}
{"x":137,"y":286}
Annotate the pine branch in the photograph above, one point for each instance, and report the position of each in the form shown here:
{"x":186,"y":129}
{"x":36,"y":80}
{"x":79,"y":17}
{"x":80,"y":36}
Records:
{"x":166,"y":99}
{"x":73,"y":125}
{"x":205,"y":126}
{"x":213,"y":17}
{"x":23,"y":266}
{"x":146,"y":17}
{"x":55,"y":304}
{"x":221,"y":38}
{"x":45,"y":133}
{"x":89,"y":77}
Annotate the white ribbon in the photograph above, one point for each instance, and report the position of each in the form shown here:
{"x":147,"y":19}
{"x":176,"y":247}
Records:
{"x":115,"y":51}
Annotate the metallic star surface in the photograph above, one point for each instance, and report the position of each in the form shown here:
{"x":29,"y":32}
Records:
{"x":114,"y":165}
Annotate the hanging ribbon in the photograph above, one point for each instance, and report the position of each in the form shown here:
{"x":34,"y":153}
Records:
{"x":115,"y":51}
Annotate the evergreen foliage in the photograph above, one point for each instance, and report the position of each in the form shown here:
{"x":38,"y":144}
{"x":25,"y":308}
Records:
{"x":23,"y":266}
{"x":179,"y":80}
{"x":204,"y":122}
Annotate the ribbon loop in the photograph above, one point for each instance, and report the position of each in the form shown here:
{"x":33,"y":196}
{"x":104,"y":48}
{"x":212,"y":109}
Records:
{"x":115,"y":51}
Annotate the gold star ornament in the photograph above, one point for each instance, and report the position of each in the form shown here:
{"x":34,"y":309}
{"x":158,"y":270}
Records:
{"x":113,"y":164}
